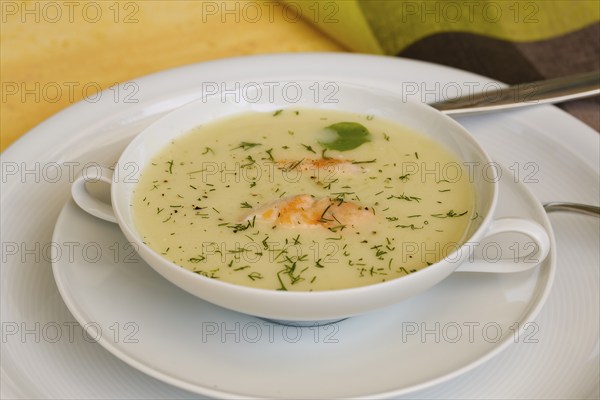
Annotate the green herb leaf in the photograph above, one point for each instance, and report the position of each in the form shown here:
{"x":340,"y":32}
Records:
{"x":349,"y":135}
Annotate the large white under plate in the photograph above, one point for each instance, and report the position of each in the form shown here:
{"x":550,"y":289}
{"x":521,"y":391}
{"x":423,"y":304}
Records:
{"x":546,"y":150}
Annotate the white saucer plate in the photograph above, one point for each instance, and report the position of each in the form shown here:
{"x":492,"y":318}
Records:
{"x":159,"y":329}
{"x":45,"y":354}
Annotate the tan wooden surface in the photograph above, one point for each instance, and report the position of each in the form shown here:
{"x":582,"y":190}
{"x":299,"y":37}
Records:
{"x":54,"y":53}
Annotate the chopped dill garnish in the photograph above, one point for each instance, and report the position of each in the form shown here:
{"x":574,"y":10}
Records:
{"x":449,"y":214}
{"x":405,"y":197}
{"x":269,"y":154}
{"x":411,"y":226}
{"x":255,"y":275}
{"x":309,"y":148}
{"x":247,"y":145}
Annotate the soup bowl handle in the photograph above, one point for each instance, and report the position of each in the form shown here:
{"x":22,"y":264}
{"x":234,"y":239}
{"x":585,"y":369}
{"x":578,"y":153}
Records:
{"x":524,"y":253}
{"x":85,"y":200}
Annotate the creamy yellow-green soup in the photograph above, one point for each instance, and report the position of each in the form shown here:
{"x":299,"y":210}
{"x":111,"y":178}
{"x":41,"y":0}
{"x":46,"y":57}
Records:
{"x":303,"y":200}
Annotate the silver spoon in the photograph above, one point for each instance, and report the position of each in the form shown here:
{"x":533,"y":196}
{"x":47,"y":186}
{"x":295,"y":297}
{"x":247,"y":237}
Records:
{"x":573,"y":207}
{"x":526,"y":94}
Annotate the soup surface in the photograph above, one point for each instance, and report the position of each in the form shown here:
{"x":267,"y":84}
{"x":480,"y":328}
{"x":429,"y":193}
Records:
{"x":303,"y":200}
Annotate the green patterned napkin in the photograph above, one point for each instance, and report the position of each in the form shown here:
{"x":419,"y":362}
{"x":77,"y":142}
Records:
{"x":389,"y":26}
{"x":512,"y":41}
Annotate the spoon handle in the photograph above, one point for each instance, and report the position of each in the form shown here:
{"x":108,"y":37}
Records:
{"x":574,"y":207}
{"x":526,"y":94}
